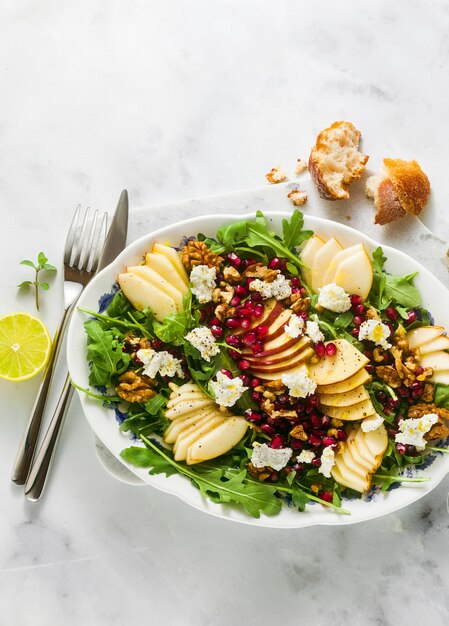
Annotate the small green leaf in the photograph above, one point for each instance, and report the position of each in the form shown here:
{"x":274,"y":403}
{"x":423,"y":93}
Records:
{"x":25,"y":283}
{"x":49,"y":267}
{"x":41,"y":257}
{"x":44,"y":286}
{"x":28,"y":263}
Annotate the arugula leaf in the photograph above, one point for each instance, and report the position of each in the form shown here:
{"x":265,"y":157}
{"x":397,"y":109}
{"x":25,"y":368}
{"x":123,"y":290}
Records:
{"x":146,"y":457}
{"x":175,"y":327}
{"x":105,"y":352}
{"x":292,"y":231}
{"x":387,"y":289}
{"x":343,"y":320}
{"x":442,"y":395}
{"x":156,"y":403}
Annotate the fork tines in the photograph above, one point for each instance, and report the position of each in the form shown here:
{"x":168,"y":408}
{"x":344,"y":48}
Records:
{"x":85,"y":240}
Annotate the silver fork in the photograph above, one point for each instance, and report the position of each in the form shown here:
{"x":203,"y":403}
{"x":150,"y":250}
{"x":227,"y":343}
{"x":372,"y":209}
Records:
{"x":82,"y":250}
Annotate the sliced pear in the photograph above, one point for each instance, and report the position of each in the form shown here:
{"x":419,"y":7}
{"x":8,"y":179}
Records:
{"x":143,"y":294}
{"x":173,"y":256}
{"x":186,"y":407}
{"x":329,"y":276}
{"x":321,"y":261}
{"x":180,"y":389}
{"x":346,"y":362}
{"x":183,"y":443}
{"x":355,"y":274}
{"x":351,"y":450}
{"x":423,"y":334}
{"x":440,"y":343}
{"x":156,"y":279}
{"x":436,"y":360}
{"x":442,"y":376}
{"x":350,"y":413}
{"x":180,"y":424}
{"x":348,"y":477}
{"x":362,"y":448}
{"x":162,"y":265}
{"x":377,"y":442}
{"x":358,"y":468}
{"x":287,"y":364}
{"x":218,"y":441}
{"x":307,"y":256}
{"x":344,"y":399}
{"x":360,"y":378}
{"x":187,"y":396}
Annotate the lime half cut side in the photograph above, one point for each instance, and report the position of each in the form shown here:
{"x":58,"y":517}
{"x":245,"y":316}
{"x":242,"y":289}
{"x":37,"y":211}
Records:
{"x":25,"y":346}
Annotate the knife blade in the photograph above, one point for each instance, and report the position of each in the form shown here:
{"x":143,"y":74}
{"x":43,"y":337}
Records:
{"x":116,"y":237}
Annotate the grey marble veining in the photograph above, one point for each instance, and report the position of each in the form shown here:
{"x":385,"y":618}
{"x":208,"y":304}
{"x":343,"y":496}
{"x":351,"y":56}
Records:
{"x":180,"y":100}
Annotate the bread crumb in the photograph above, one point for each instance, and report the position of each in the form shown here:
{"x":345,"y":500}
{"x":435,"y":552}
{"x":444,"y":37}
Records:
{"x":301,"y":165}
{"x":298,"y":197}
{"x":276,"y":175}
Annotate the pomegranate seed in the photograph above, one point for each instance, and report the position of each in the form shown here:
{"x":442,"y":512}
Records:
{"x":312,"y":401}
{"x":157,"y":344}
{"x":325,"y":421}
{"x":403,"y":391}
{"x":296,"y":444}
{"x":368,"y":354}
{"x":295,"y":282}
{"x":392,"y":432}
{"x":258,"y":309}
{"x":328,"y":441}
{"x":320,"y":349}
{"x":355,"y":332}
{"x":417,"y":385}
{"x":235,"y":301}
{"x":234,"y":260}
{"x":262,"y":330}
{"x":269,"y":430}
{"x":234,"y":355}
{"x":257,"y":347}
{"x":331,"y":349}
{"x":256,"y":396}
{"x":245,"y":323}
{"x":274,"y":476}
{"x":244,"y":364}
{"x":233,"y":322}
{"x":234,"y":341}
{"x":303,"y":292}
{"x":342,"y":435}
{"x":369,"y":368}
{"x":249,"y":262}
{"x":253,"y":416}
{"x":393,"y":403}
{"x":314,"y":440}
{"x":419,"y":370}
{"x":277,"y":442}
{"x":387,"y":410}
{"x":287,"y":470}
{"x":401,"y":448}
{"x":412,"y":317}
{"x":356,"y":300}
{"x":246,"y":379}
{"x":256,"y":296}
{"x":217,"y":331}
{"x":241,"y":291}
{"x":215,"y":322}
{"x":283,"y":398}
{"x":316,"y":420}
{"x":295,"y":290}
{"x":298,"y":467}
{"x":381,"y":396}
{"x":255,"y":382}
{"x":275,"y":263}
{"x":391,"y":313}
{"x":360,"y":310}
{"x":249,"y":338}
{"x":327,"y":496}
{"x":243,"y":311}
{"x":307,"y":426}
{"x":316,"y":462}
{"x":249,"y":281}
{"x":357,"y":320}
{"x":226,"y":373}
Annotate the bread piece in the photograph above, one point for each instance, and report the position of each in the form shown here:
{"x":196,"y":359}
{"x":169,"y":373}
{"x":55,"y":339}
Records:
{"x":399,"y":188}
{"x":335,"y":161}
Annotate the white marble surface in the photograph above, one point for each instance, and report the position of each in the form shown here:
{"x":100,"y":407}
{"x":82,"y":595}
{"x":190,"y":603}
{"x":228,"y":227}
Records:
{"x":175,"y":100}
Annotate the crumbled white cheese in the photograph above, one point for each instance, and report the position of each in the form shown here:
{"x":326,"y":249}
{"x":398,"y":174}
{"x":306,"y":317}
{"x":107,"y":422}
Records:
{"x":295,"y":326}
{"x":203,"y":340}
{"x":313,"y":331}
{"x":306,"y":456}
{"x":299,"y":384}
{"x":202,"y":282}
{"x":279,"y":288}
{"x":376,"y":331}
{"x":327,"y":461}
{"x":162,"y":363}
{"x":372,"y":422}
{"x":264,"y":456}
{"x":334,"y":298}
{"x":227,"y":390}
{"x":412,"y":430}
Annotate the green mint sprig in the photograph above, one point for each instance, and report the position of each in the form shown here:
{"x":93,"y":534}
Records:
{"x":42,"y":264}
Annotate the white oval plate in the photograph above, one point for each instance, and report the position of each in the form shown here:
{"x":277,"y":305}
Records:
{"x":102,"y":421}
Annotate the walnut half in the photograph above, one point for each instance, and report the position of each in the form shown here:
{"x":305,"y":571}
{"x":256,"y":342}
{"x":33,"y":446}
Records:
{"x":135,"y":387}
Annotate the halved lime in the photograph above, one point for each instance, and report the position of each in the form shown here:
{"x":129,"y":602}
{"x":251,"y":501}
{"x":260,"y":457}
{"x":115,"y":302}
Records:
{"x":25,"y":346}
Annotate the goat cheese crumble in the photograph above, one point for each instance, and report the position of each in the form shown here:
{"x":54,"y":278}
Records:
{"x":203,"y":340}
{"x":327,"y":461}
{"x":376,"y":331}
{"x":372,"y":422}
{"x":313,"y":331}
{"x":227,"y":390}
{"x":306,"y":456}
{"x":295,"y":326}
{"x":162,"y":363}
{"x":279,"y":288}
{"x":334,"y":298}
{"x":412,"y":430}
{"x":202,"y":282}
{"x":264,"y":456}
{"x":299,"y":384}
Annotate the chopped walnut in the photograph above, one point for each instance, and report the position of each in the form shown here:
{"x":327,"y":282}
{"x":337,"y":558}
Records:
{"x":372,"y":314}
{"x":223,"y":311}
{"x":301,"y":165}
{"x":262,"y":473}
{"x":258,"y":270}
{"x":423,"y":408}
{"x":267,"y":406}
{"x":135,"y":387}
{"x":298,"y":197}
{"x":276,"y":385}
{"x":298,"y":303}
{"x":336,"y":423}
{"x":379,"y":355}
{"x":298,"y":432}
{"x":284,"y":413}
{"x":438,"y":431}
{"x":389,"y":375}
{"x":428,"y":393}
{"x":198,"y":253}
{"x":276,"y":175}
{"x":231,"y":275}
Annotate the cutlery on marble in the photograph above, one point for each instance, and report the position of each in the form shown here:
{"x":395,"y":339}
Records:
{"x":103,"y":255}
{"x":82,"y":248}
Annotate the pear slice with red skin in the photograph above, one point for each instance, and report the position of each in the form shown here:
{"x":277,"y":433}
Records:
{"x":283,"y":366}
{"x":346,"y":362}
{"x":277,"y":375}
{"x":271,"y":311}
{"x":280,"y":344}
{"x":277,"y":327}
{"x":360,"y":378}
{"x":291,"y":350}
{"x":440,"y":343}
{"x":419,"y":336}
{"x":346,"y":398}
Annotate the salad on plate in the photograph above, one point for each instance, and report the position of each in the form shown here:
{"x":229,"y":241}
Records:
{"x":271,"y":370}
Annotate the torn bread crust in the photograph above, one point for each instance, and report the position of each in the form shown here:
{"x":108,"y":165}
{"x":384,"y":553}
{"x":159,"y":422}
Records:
{"x":380,"y":188}
{"x":335,"y":161}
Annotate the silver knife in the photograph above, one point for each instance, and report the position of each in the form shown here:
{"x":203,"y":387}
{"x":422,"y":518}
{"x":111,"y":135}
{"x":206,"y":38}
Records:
{"x":114,"y":244}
